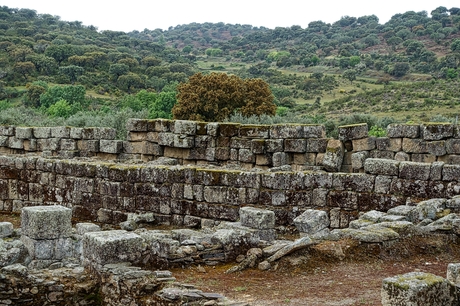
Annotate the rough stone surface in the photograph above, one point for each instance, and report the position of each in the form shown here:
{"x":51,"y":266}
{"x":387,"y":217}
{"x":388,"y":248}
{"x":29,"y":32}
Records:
{"x":257,"y":218}
{"x":46,"y":222}
{"x":381,"y":166}
{"x":333,"y":157}
{"x":312,"y":221}
{"x":403,"y":130}
{"x":417,"y":289}
{"x":355,"y":131}
{"x":6,"y":229}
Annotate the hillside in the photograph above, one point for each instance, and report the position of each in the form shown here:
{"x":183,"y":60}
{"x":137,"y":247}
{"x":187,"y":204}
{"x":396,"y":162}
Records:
{"x":323,"y":71}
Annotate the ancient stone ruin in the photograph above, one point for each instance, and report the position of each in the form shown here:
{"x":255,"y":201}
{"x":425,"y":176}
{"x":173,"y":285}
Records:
{"x":226,"y":188}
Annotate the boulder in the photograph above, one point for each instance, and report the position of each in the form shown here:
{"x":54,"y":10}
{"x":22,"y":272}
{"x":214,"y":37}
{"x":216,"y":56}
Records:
{"x":312,"y":222}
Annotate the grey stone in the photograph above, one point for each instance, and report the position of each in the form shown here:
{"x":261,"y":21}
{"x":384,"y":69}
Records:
{"x":437,"y":131}
{"x":292,"y":247}
{"x":358,"y":159}
{"x":373,"y":216}
{"x":15,"y":143}
{"x":368,"y":234}
{"x":409,"y":212}
{"x":417,"y":289}
{"x":42,"y":132}
{"x":185,"y":127}
{"x":414,"y":171}
{"x":264,"y":265}
{"x":333,"y":157}
{"x":312,"y":221}
{"x":46,"y":222}
{"x":430,"y":209}
{"x":403,"y":130}
{"x":453,"y":273}
{"x":357,"y":224}
{"x":110,"y":146}
{"x":355,"y":131}
{"x":445,"y":223}
{"x":83,"y":228}
{"x":6,"y":229}
{"x":257,"y":218}
{"x":23,"y":132}
{"x":402,"y":156}
{"x":60,"y":132}
{"x":108,"y":247}
{"x":381,"y":166}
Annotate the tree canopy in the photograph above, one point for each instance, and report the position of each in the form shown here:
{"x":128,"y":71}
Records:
{"x":216,"y":96}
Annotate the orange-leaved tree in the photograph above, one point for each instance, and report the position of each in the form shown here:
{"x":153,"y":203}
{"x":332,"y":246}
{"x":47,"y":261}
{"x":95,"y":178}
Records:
{"x":216,"y":96}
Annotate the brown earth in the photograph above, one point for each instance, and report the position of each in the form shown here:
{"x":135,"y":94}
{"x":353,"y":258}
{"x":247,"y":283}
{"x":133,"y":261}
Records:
{"x":332,"y":273}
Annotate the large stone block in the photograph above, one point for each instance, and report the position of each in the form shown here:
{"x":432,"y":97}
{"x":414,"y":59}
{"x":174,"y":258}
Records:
{"x":46,"y":222}
{"x":23,"y":132}
{"x":42,"y":132}
{"x":274,"y":145}
{"x":450,"y":172}
{"x":110,"y":146}
{"x":358,"y":159}
{"x":6,"y":130}
{"x":317,"y":145}
{"x":6,"y":229}
{"x":410,"y":145}
{"x":314,"y":131}
{"x":381,"y":166}
{"x":437,"y":131}
{"x":333,"y":157}
{"x":388,"y":144}
{"x":254,"y":131}
{"x":453,"y":146}
{"x":185,"y":127}
{"x":414,"y":170}
{"x":108,"y":247}
{"x":355,"y":131}
{"x":60,"y":132}
{"x":364,"y":144}
{"x":136,"y":125}
{"x":295,"y":145}
{"x":182,"y":141}
{"x":15,"y":143}
{"x":257,"y":218}
{"x":418,"y":289}
{"x":312,"y":222}
{"x":287,"y":131}
{"x":403,"y":130}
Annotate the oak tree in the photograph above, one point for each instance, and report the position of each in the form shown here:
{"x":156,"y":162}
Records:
{"x":216,"y":96}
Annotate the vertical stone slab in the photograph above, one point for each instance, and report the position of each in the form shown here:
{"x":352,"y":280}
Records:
{"x":46,"y":222}
{"x":333,"y":157}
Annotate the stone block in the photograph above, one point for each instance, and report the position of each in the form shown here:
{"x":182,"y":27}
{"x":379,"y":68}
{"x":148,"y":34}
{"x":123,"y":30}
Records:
{"x":280,"y":159}
{"x":76,"y":133}
{"x":182,"y":141}
{"x":107,"y":247}
{"x":30,"y":145}
{"x":83,"y":228}
{"x":437,"y":131}
{"x":46,"y":222}
{"x":312,"y":222}
{"x":333,"y":157}
{"x":403,"y":131}
{"x":229,"y":129}
{"x":287,"y":131}
{"x":240,"y":143}
{"x":257,"y":218}
{"x":6,"y":229}
{"x":381,"y":154}
{"x":450,"y":172}
{"x":414,"y":171}
{"x":166,"y":139}
{"x":388,"y":144}
{"x":254,"y":131}
{"x":136,"y":125}
{"x":354,"y":131}
{"x":382,"y":184}
{"x":6,"y":130}
{"x":23,"y":132}
{"x":453,"y":146}
{"x":274,"y":145}
{"x":60,"y":132}
{"x":314,"y":131}
{"x":317,"y":145}
{"x":246,"y":156}
{"x":437,"y":148}
{"x":436,"y":171}
{"x":295,"y":145}
{"x":410,"y":145}
{"x":49,"y":144}
{"x":4,"y":141}
{"x":258,"y":146}
{"x":381,"y":166}
{"x":103,"y":133}
{"x":453,"y":273}
{"x":15,"y":143}
{"x":358,"y":159}
{"x":68,"y":144}
{"x":423,"y":158}
{"x":417,"y":289}
{"x":185,"y":127}
{"x":110,"y":146}
{"x":402,"y":156}
{"x":363,"y":144}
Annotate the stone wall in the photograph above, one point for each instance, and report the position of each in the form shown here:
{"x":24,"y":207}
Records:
{"x":184,"y":195}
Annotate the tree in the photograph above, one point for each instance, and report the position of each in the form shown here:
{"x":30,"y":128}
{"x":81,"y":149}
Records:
{"x":72,"y":72}
{"x":216,"y":96}
{"x":24,"y":68}
{"x":59,"y":52}
{"x":400,"y":69}
{"x":162,"y":107}
{"x":71,"y":94}
{"x":350,"y":75}
{"x":117,"y":70}
{"x":34,"y":92}
{"x":129,"y":81}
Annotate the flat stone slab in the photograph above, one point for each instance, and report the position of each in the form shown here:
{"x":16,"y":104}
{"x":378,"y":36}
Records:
{"x":417,"y":289}
{"x":6,"y":229}
{"x":108,"y":247}
{"x":257,"y":218}
{"x":46,"y":222}
{"x":312,"y":221}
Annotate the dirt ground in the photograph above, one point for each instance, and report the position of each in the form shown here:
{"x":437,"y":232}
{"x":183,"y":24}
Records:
{"x":332,"y":273}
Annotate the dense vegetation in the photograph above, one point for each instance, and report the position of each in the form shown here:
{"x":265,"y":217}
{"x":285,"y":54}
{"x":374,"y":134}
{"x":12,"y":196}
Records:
{"x":60,"y":72}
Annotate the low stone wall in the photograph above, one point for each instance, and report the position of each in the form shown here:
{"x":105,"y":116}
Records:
{"x":184,"y":195}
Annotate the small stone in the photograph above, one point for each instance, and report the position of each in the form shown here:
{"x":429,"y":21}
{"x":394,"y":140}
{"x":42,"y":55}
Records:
{"x":264,"y":265}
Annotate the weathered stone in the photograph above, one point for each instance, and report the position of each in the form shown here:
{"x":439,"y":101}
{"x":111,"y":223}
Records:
{"x":437,"y":148}
{"x":453,"y":146}
{"x":287,"y":131}
{"x":296,"y":245}
{"x":6,"y":229}
{"x":136,"y":125}
{"x":83,"y":228}
{"x":358,"y":159}
{"x":402,"y":156}
{"x":312,"y":222}
{"x":437,"y":131}
{"x":418,"y":289}
{"x":333,"y":157}
{"x":317,"y":145}
{"x":364,"y":144}
{"x":185,"y":127}
{"x":274,"y":145}
{"x":373,"y":216}
{"x":46,"y":222}
{"x":453,"y":273}
{"x":60,"y":132}
{"x":314,"y":131}
{"x":108,"y":247}
{"x":355,"y":131}
{"x":254,"y":131}
{"x":110,"y":146}
{"x":450,"y":172}
{"x":430,"y":209}
{"x":410,"y":145}
{"x":257,"y":218}
{"x":388,"y":144}
{"x":23,"y":132}
{"x":403,"y":130}
{"x":414,"y":171}
{"x":367,"y":234}
{"x":381,"y":166}
{"x":280,"y":159}
{"x":423,"y":158}
{"x":15,"y":143}
{"x":295,"y":145}
{"x":382,"y":184}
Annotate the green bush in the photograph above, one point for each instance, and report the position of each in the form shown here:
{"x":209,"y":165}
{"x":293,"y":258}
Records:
{"x":377,"y":131}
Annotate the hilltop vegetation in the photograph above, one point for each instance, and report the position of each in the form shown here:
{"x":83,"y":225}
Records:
{"x":64,"y":72}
